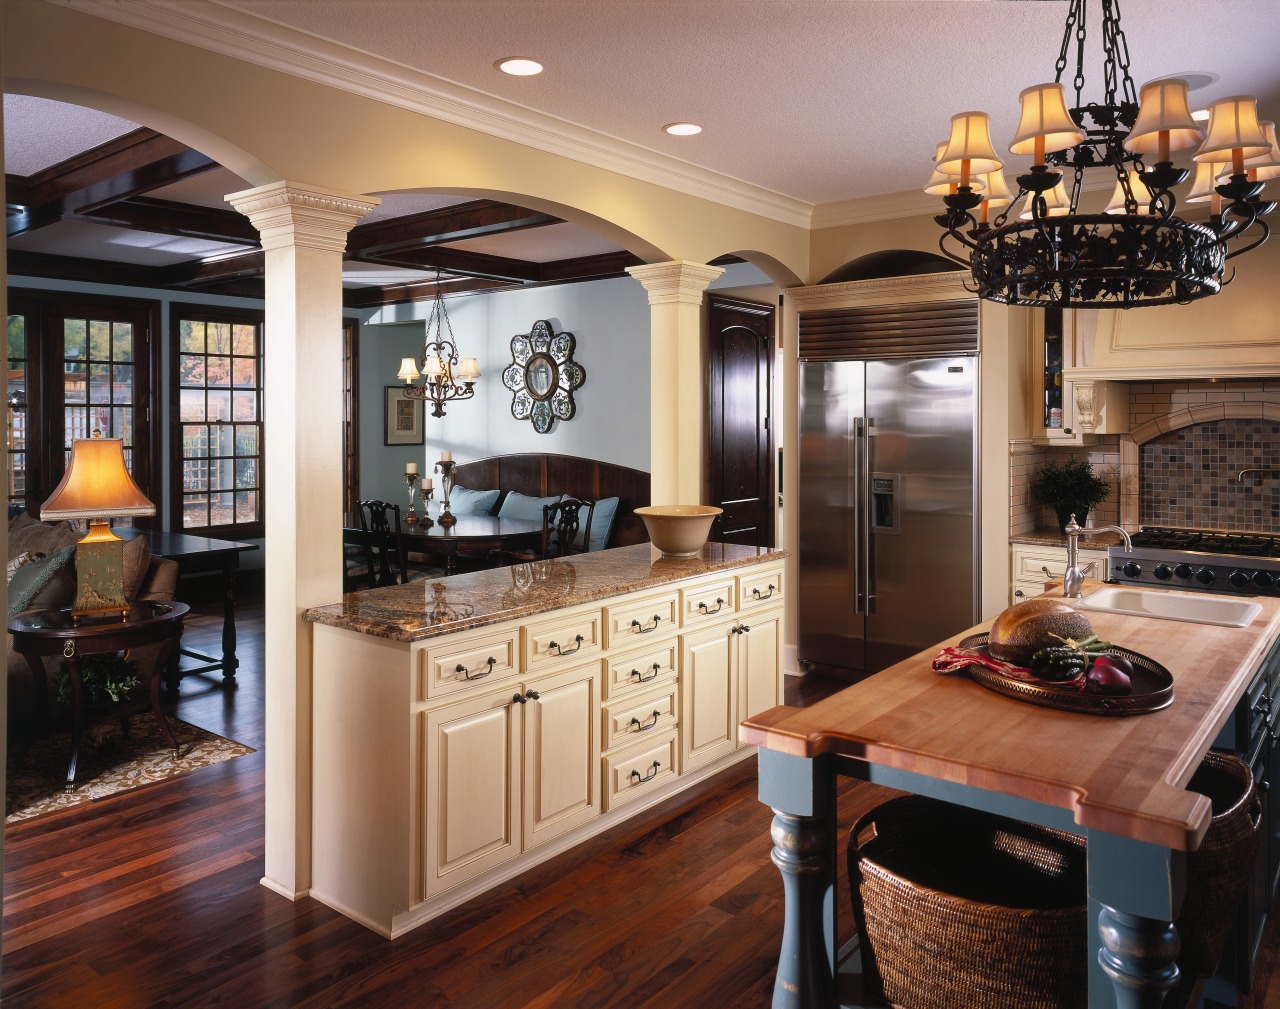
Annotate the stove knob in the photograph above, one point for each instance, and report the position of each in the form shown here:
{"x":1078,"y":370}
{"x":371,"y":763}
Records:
{"x":1132,"y":569}
{"x":1163,"y":572}
{"x":1183,"y":571}
{"x":1262,"y":579}
{"x":1239,"y":579}
{"x":1205,"y":576}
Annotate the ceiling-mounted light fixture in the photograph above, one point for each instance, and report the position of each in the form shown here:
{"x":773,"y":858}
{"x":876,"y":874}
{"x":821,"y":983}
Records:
{"x":682,"y":129}
{"x":1137,"y":252}
{"x":519,"y":66}
{"x":444,"y":378}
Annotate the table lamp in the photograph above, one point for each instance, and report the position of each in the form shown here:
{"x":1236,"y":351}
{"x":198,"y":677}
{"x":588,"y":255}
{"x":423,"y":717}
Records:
{"x":97,"y":487}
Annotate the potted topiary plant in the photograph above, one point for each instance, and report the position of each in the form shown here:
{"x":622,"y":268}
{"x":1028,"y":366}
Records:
{"x":1070,"y":487}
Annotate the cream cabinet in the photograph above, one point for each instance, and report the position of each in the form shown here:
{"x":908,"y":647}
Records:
{"x":1064,"y":412}
{"x":444,"y":766}
{"x":1035,"y":564}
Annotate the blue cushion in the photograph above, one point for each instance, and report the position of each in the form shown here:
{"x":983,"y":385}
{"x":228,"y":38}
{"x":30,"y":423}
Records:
{"x":472,"y":502}
{"x":520,"y":506}
{"x":601,"y":523}
{"x":45,"y":583}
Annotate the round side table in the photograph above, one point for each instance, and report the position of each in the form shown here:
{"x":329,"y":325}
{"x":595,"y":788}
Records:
{"x":39,"y":633}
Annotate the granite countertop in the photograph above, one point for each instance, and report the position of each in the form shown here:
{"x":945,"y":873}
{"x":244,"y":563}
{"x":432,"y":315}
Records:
{"x":438,"y":606}
{"x":1053,"y":538}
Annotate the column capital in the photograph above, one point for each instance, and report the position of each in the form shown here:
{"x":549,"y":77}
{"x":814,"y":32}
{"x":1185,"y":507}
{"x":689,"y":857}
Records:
{"x":676,"y":282}
{"x":291,"y":214}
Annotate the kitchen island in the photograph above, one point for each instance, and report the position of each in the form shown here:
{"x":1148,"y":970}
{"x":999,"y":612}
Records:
{"x":1119,"y":781}
{"x":470,"y":727}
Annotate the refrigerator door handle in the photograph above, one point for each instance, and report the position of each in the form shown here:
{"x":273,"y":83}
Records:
{"x":855,"y":509}
{"x":867,"y":596}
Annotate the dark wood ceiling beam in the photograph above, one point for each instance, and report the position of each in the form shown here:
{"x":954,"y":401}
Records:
{"x":199,"y":274}
{"x":17,"y":191}
{"x":398,"y":294}
{"x":183,"y":219}
{"x":459,"y":262}
{"x":601,"y":267}
{"x":91,"y":271}
{"x":451,"y":224}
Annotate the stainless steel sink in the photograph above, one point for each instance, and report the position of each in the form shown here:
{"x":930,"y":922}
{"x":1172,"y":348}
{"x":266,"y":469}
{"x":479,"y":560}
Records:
{"x":1224,"y":611}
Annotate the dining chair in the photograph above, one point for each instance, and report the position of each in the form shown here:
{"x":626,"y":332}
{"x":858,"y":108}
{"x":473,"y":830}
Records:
{"x":566,"y":529}
{"x":385,"y":558}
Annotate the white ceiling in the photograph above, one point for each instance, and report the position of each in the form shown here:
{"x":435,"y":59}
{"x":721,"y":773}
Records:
{"x":819,"y":100}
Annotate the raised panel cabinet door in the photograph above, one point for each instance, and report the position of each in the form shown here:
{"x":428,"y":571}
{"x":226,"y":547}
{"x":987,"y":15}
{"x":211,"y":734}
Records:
{"x":473,"y":756}
{"x":562,"y":752}
{"x":758,"y":663}
{"x":708,"y":722}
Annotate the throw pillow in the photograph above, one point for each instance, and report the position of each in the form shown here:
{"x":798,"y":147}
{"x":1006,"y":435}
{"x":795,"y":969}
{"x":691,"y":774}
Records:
{"x":520,"y":506}
{"x":19,"y":561}
{"x":137,"y":557}
{"x":43,"y":584}
{"x":40,"y":537}
{"x":601,"y":524}
{"x":463,"y":501}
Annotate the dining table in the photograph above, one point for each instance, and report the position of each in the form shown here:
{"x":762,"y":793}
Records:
{"x":477,"y":535}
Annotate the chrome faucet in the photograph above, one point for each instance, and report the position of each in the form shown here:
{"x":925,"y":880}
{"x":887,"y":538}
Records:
{"x":1254,"y":469}
{"x":1073,"y":577}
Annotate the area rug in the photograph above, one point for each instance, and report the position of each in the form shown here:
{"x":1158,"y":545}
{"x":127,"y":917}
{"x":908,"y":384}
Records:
{"x":109,"y":764}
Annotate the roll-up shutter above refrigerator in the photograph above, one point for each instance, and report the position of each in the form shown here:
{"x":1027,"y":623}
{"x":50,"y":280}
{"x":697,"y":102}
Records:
{"x":927,"y":329}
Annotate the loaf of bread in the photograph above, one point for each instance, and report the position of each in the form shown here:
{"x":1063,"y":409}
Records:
{"x":1024,"y":628}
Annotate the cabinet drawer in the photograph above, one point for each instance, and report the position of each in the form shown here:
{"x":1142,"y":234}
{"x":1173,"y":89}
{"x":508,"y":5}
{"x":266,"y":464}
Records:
{"x":456,"y":663}
{"x":630,"y":719}
{"x":638,"y":619}
{"x":1028,"y":564}
{"x":707,"y":602}
{"x":760,"y":588}
{"x":570,"y":635}
{"x":639,"y":669}
{"x":636,"y":773}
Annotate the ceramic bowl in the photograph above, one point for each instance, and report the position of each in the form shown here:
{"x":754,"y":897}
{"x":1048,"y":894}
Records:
{"x":678,"y":530}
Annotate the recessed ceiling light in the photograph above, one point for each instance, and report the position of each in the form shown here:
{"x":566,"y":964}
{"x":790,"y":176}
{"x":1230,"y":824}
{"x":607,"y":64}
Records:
{"x":1200,"y":115}
{"x":518,"y":66}
{"x":682,"y":129}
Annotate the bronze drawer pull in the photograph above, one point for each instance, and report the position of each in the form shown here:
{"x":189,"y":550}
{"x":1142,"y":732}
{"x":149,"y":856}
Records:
{"x":766,"y":595}
{"x":739,"y":629}
{"x":656,"y":667}
{"x":646,"y":726}
{"x":460,"y":668}
{"x":532,"y":695}
{"x":560,"y":651}
{"x":641,"y":629}
{"x":518,"y":699}
{"x":707,"y":611}
{"x":648,"y":777}
{"x":526,"y":697}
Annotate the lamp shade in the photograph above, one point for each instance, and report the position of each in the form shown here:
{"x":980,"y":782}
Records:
{"x":1057,"y":203}
{"x":468,"y":370}
{"x":434,"y":368}
{"x":408,"y":370}
{"x":970,"y":141}
{"x":96,"y":484}
{"x":1045,"y":115}
{"x":1138,"y":187}
{"x":1265,"y":166}
{"x":1202,"y":186}
{"x":1163,"y":109}
{"x":940,"y":183}
{"x":997,"y":189}
{"x":1233,"y":127}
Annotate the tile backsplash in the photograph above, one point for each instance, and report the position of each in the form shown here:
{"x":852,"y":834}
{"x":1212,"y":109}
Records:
{"x":1026,"y":516}
{"x":1189,"y":476}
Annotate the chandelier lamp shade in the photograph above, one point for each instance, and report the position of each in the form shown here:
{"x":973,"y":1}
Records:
{"x":444,"y":376}
{"x":1137,"y":251}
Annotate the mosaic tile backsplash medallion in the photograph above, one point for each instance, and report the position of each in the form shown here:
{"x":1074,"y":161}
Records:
{"x":1189,"y":477}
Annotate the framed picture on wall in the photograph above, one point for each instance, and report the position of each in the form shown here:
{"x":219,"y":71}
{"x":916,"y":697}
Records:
{"x":403,"y":419}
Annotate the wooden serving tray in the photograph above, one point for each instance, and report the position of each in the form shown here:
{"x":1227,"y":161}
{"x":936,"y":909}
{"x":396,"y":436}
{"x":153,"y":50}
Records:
{"x":1152,"y":686}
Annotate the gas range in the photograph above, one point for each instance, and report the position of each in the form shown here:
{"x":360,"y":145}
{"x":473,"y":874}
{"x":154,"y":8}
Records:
{"x":1199,"y":560}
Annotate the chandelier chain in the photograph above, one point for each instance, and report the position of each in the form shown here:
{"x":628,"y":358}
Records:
{"x":1061,"y":65}
{"x":1080,"y":36}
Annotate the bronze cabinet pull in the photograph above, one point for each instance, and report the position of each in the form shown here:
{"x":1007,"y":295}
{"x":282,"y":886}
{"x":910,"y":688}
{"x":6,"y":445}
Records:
{"x":765,"y":595}
{"x":707,"y":611}
{"x":641,"y":629}
{"x":532,"y":695}
{"x":560,"y":651}
{"x":646,"y":726}
{"x":739,"y":629}
{"x":460,"y":668}
{"x":645,"y":679}
{"x":648,"y":777}
{"x":518,"y":699}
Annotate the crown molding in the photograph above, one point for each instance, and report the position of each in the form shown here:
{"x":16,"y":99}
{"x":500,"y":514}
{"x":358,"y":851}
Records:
{"x":230,"y":32}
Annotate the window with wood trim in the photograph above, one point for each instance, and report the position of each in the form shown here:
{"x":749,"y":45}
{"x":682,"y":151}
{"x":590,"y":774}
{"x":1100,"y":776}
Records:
{"x":17,"y":414}
{"x":216,"y":399}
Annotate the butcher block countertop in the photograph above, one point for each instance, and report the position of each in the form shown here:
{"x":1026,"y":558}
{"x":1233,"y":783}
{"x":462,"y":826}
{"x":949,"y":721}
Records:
{"x":438,"y":606}
{"x":1124,"y":776}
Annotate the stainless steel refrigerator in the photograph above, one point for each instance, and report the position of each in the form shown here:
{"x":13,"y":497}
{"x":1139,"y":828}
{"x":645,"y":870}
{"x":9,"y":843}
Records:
{"x":887,"y":495}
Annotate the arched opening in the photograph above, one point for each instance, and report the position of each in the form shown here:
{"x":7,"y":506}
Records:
{"x":890,"y":263}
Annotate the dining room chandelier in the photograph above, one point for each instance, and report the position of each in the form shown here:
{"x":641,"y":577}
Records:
{"x":1137,"y":251}
{"x":444,"y":377}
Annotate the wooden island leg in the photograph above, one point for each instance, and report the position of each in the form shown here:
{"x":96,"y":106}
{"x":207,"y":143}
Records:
{"x":801,"y":792}
{"x":1138,"y":955}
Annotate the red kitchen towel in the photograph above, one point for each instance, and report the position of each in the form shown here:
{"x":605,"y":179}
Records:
{"x":956,"y":660}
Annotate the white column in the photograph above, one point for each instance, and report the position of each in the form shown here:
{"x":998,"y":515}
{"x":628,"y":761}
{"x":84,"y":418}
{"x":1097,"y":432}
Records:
{"x":677,"y":378}
{"x":304,"y":232}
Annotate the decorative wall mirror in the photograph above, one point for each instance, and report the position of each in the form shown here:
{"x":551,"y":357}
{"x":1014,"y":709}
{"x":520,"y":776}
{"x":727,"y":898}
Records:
{"x":542,"y":376}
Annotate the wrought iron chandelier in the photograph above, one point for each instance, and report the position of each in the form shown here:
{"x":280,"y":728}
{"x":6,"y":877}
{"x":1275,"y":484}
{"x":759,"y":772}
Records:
{"x":444,"y":378}
{"x":1137,"y":251}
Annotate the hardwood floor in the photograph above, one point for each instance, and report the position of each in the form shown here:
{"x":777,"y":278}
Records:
{"x":152,"y":901}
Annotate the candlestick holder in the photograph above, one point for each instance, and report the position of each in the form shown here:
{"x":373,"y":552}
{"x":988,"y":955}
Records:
{"x":427,"y":493}
{"x":411,"y":516}
{"x":445,"y":468}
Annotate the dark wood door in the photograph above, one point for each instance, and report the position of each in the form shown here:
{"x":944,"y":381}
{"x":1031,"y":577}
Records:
{"x":739,"y":428}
